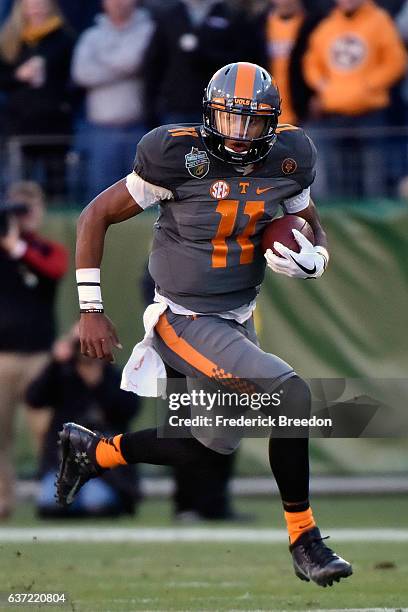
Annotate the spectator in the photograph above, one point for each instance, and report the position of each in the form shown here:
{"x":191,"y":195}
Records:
{"x":354,"y":58}
{"x":392,"y":6}
{"x":320,"y":6}
{"x":324,"y":6}
{"x":283,"y":26}
{"x":35,"y":53}
{"x":193,"y":38}
{"x":79,"y":14}
{"x":88,"y":392}
{"x":108,"y":63}
{"x":156,"y":5}
{"x":5,"y":6}
{"x":30,"y":269}
{"x":300,"y":91}
{"x":251,"y":8}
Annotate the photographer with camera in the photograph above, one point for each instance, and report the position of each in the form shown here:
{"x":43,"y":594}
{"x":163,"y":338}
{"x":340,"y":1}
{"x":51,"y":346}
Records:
{"x":87,"y":391}
{"x":30,"y":269}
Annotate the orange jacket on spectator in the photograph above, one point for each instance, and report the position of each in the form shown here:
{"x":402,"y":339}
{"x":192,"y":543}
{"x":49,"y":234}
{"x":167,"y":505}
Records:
{"x":282,"y":35}
{"x":352,"y":62}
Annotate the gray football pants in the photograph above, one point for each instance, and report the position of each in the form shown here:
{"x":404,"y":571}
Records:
{"x":209,"y":347}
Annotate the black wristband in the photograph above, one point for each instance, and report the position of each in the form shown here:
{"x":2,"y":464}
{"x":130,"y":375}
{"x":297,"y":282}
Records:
{"x":91,"y":310}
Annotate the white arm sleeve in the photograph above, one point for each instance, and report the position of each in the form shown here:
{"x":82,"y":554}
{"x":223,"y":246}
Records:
{"x":145,"y":194}
{"x":298,"y":203}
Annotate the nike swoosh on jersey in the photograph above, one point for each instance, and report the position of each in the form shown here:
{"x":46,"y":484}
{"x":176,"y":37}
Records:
{"x":307,"y":270}
{"x":260,"y":190}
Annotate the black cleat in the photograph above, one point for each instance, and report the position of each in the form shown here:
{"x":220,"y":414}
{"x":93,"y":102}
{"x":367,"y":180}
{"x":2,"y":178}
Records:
{"x":78,"y":462}
{"x":313,"y":560}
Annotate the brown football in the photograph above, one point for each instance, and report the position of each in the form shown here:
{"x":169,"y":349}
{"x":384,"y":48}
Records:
{"x":280,"y":230}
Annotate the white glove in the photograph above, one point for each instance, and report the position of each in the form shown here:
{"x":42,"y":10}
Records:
{"x":311,"y":262}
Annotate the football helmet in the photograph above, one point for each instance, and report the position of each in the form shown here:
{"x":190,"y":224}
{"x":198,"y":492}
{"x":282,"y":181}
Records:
{"x":241,"y":104}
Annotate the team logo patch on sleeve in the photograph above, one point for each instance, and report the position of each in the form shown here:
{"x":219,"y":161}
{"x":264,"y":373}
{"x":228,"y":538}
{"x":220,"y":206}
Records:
{"x":197,"y":163}
{"x":289,"y":166}
{"x":219,"y":190}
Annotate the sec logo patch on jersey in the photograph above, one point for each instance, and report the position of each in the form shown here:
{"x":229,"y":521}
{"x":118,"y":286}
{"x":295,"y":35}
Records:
{"x":219,"y":190}
{"x":197,"y":163}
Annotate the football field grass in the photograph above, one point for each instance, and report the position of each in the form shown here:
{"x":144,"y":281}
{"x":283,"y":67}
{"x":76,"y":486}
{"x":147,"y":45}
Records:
{"x":124,"y":576}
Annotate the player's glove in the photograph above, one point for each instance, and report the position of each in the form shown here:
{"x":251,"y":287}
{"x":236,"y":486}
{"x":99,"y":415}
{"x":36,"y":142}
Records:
{"x":311,"y":262}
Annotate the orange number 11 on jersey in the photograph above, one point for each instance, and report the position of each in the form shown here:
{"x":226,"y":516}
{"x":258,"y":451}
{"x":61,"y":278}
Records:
{"x":228,"y":209}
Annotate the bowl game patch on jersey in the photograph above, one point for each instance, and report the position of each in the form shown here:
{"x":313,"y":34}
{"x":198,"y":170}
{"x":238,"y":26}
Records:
{"x":197,"y":163}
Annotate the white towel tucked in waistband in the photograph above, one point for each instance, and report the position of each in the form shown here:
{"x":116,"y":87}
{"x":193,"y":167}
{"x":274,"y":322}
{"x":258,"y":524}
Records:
{"x":145,"y":373}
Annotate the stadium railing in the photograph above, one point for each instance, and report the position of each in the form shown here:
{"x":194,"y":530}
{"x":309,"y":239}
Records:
{"x":357,"y":163}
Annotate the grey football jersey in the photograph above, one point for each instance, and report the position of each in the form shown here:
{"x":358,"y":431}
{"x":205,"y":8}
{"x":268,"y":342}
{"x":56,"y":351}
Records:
{"x":206,"y":253}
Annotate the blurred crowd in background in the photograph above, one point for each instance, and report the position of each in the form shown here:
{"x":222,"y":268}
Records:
{"x":55,"y":383}
{"x":80,"y":83}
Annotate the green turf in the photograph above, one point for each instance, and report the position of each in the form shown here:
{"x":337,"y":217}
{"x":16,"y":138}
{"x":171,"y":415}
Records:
{"x":125,"y":577}
{"x":211,"y":576}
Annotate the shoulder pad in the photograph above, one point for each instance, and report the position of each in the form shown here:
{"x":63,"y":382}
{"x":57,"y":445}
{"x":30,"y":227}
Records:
{"x":298,"y":154}
{"x":160,"y":158}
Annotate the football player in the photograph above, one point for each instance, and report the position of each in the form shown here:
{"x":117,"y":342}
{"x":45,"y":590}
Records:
{"x":218,"y":185}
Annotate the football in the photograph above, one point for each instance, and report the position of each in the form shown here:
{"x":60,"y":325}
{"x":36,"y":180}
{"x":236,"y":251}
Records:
{"x":280,"y":230}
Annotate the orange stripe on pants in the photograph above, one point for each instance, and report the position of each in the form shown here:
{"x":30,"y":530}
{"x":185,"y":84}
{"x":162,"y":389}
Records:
{"x":183,"y":349}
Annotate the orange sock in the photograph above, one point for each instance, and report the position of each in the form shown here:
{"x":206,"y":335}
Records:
{"x":298,"y":523}
{"x":108,"y":453}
